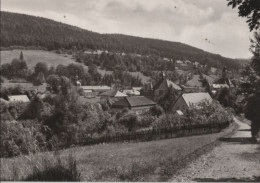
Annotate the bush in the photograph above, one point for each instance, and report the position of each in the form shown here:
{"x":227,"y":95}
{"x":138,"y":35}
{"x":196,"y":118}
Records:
{"x":21,"y":138}
{"x":168,"y":121}
{"x":129,"y":120}
{"x":156,"y":110}
{"x":204,"y":113}
{"x":146,"y":120}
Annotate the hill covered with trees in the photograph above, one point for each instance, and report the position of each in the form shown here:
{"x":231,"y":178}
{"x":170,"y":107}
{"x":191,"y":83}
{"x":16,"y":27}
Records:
{"x":25,"y":30}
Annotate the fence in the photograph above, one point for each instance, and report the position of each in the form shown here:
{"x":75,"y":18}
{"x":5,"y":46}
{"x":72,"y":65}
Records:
{"x":156,"y":134}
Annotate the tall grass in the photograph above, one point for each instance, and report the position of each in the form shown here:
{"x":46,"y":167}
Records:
{"x":49,"y":168}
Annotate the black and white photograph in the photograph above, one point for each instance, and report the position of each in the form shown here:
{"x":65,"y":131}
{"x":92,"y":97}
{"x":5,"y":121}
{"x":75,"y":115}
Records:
{"x":130,"y":90}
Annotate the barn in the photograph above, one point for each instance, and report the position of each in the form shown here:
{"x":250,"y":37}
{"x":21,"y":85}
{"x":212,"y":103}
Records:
{"x":186,"y":100}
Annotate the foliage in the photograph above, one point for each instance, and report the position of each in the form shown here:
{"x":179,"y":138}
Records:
{"x":129,"y":120}
{"x":21,"y":55}
{"x":37,"y":109}
{"x":21,"y":137}
{"x":17,"y":68}
{"x":249,"y":9}
{"x":252,"y":113}
{"x":41,"y":67}
{"x":146,"y":120}
{"x":55,"y":37}
{"x":204,"y":113}
{"x":156,"y":110}
{"x":12,"y":111}
{"x":167,"y":101}
{"x":167,"y":121}
{"x":208,"y":113}
{"x":226,"y":97}
{"x":40,"y":79}
{"x":56,"y":171}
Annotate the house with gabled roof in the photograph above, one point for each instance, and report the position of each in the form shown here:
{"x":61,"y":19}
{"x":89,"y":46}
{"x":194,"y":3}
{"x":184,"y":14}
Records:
{"x":138,"y":104}
{"x":112,"y":93}
{"x":186,"y":100}
{"x":101,"y":88}
{"x":162,"y":87}
{"x":159,"y":89}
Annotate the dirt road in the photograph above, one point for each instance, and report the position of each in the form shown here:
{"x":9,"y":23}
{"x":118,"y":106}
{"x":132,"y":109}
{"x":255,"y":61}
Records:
{"x":235,"y":159}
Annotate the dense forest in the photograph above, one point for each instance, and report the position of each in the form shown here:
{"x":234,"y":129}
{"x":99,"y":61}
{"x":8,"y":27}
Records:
{"x":25,"y":30}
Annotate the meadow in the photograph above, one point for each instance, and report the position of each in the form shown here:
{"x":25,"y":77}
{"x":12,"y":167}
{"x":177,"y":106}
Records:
{"x":140,"y":161}
{"x":32,"y":57}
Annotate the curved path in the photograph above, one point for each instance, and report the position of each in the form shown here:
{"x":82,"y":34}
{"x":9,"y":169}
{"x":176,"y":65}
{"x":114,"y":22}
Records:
{"x":235,"y":159}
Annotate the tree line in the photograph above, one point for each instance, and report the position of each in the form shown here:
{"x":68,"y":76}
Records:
{"x":25,"y":30}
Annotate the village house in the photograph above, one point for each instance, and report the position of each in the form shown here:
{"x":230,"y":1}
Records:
{"x":192,"y":89}
{"x":131,"y":92}
{"x":112,"y":94}
{"x":89,"y":89}
{"x":163,"y":86}
{"x":18,"y":98}
{"x":223,"y":82}
{"x":186,"y":100}
{"x":138,"y":104}
{"x":160,"y":88}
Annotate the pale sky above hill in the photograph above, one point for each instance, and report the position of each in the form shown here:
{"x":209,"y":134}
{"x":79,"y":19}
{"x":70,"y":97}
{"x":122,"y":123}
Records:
{"x":206,"y":24}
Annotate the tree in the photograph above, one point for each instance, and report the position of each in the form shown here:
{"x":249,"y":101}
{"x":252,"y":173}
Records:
{"x":249,"y":9}
{"x":252,"y":113}
{"x":226,"y":97}
{"x":40,"y":79}
{"x":54,"y":82}
{"x":129,"y":120}
{"x":41,"y":67}
{"x":156,"y":110}
{"x":18,"y":65}
{"x":167,"y":101}
{"x":21,"y":55}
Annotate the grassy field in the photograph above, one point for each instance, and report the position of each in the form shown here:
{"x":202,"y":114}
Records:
{"x":32,"y":57}
{"x":142,"y":161}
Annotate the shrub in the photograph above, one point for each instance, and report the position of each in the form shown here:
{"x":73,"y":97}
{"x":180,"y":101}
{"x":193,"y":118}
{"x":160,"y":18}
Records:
{"x":156,"y":110}
{"x":129,"y":120}
{"x":21,"y":138}
{"x":168,"y":121}
{"x":146,"y":120}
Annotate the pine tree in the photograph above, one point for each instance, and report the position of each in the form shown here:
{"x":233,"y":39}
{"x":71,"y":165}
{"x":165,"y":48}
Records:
{"x":21,"y":55}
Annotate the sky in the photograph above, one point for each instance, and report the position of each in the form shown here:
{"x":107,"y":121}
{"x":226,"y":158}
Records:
{"x":206,"y":24}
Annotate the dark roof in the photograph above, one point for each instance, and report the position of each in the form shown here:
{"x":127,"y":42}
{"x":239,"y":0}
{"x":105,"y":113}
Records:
{"x":134,"y":101}
{"x":164,"y":84}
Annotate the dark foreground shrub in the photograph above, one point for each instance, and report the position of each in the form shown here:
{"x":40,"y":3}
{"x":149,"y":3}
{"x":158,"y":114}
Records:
{"x":56,"y":171}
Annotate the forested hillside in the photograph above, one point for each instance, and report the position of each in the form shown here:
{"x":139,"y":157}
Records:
{"x":25,"y":30}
